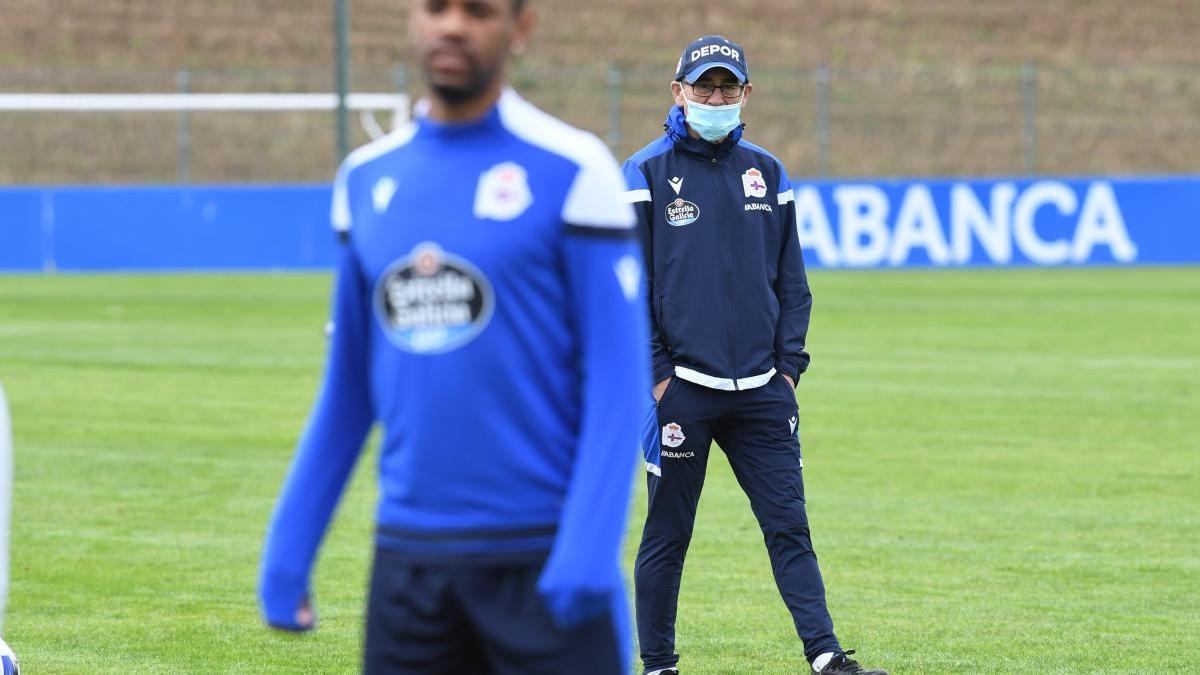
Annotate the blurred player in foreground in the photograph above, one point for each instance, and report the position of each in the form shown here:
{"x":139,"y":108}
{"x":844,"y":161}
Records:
{"x":488,"y":312}
{"x":730,"y":305}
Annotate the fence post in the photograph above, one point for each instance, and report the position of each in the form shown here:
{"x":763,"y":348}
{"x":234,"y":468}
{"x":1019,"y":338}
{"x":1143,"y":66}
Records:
{"x":1029,"y":86}
{"x":614,"y":107}
{"x":823,"y":77}
{"x":183,"y":82}
{"x":341,"y":70}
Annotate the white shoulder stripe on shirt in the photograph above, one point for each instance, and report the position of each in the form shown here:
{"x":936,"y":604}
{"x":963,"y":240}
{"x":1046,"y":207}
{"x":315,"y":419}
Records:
{"x":341,"y":216}
{"x":785,"y":197}
{"x":594,"y":199}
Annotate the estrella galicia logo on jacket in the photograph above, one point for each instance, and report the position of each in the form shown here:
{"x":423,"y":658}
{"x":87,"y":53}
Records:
{"x":682,"y":212}
{"x":431,"y":301}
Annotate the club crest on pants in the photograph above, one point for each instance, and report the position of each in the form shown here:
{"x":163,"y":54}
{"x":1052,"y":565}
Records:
{"x":672,"y":435}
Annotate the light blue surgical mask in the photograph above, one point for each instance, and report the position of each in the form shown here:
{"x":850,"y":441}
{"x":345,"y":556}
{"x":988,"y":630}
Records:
{"x":713,"y":122}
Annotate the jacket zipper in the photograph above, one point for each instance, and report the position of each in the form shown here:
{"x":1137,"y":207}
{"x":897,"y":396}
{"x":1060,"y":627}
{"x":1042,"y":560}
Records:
{"x":728,"y":259}
{"x":662,"y":321}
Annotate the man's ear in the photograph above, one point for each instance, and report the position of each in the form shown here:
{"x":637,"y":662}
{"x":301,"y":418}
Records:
{"x":523,"y":27}
{"x":677,"y":94}
{"x":746,"y":94}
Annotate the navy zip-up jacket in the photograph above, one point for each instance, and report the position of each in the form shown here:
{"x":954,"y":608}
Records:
{"x":729,"y":298}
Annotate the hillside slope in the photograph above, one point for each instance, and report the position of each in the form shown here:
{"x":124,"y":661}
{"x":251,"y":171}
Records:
{"x":916,"y":87}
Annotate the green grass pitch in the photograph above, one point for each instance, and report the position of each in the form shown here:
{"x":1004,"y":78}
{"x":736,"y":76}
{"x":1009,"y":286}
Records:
{"x":1002,"y":467}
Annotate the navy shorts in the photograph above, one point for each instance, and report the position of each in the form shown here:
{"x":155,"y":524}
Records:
{"x":458,"y":617}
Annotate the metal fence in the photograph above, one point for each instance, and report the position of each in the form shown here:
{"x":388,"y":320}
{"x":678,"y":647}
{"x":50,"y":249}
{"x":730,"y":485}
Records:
{"x":936,"y":120}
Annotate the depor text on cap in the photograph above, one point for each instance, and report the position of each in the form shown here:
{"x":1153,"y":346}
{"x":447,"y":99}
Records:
{"x":712,"y":51}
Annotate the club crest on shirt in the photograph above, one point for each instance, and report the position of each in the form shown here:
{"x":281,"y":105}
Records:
{"x":503,"y":192}
{"x":753,"y":183}
{"x":672,"y":435}
{"x":682,"y":212}
{"x":430,"y":301}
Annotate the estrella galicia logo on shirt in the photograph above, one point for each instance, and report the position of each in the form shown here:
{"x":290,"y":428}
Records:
{"x":682,"y":212}
{"x":432,"y":301}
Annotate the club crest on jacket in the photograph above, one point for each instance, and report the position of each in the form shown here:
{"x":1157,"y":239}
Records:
{"x":753,"y":183}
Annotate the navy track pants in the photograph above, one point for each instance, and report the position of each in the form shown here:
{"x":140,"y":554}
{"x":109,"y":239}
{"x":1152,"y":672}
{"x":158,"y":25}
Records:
{"x":757,"y":430}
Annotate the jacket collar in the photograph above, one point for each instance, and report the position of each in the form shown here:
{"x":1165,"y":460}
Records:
{"x":677,"y":131}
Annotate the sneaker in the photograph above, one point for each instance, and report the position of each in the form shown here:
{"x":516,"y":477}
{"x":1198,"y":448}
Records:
{"x":842,"y":663}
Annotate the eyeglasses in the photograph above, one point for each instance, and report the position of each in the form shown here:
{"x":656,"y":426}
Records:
{"x":729,"y":91}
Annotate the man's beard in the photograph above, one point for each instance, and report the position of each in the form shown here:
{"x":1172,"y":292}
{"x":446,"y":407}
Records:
{"x":455,"y":94}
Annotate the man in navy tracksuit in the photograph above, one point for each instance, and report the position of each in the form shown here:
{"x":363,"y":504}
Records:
{"x":730,"y":305}
{"x":489,"y":313}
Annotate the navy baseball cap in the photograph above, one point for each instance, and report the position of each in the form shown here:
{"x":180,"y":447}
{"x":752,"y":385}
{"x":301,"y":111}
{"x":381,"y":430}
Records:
{"x":712,"y":51}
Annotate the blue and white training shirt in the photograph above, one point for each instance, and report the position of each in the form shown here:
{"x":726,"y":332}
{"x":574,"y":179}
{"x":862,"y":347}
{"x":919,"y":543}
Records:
{"x":489,"y":313}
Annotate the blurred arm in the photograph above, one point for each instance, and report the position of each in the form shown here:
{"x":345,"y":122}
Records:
{"x":337,"y":427}
{"x":604,"y":277}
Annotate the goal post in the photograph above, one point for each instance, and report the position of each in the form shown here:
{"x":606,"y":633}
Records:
{"x":378,"y":113}
{"x":231,"y":102}
{"x":365,"y":104}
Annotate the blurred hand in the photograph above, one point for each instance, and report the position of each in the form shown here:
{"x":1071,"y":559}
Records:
{"x":660,"y":389}
{"x":304,"y":620}
{"x":305,"y":617}
{"x":789,"y":381}
{"x":575,"y":589}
